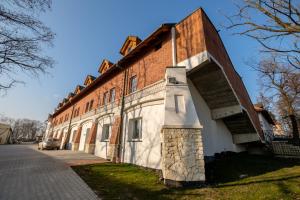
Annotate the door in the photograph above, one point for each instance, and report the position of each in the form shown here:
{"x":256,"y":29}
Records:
{"x":73,"y":134}
{"x":83,"y":139}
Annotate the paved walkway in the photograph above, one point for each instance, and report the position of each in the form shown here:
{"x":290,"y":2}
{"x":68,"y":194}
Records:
{"x":73,"y":158}
{"x":29,"y":174}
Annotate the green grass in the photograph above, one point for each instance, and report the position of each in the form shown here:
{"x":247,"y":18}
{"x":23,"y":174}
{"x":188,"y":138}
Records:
{"x":267,"y":178}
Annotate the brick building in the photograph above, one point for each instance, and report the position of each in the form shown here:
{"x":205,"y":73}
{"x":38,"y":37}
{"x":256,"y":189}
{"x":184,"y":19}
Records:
{"x":171,"y":100}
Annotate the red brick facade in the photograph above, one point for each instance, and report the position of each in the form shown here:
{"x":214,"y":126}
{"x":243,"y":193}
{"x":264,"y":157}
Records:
{"x":148,"y":62}
{"x":196,"y":34}
{"x":149,"y":68}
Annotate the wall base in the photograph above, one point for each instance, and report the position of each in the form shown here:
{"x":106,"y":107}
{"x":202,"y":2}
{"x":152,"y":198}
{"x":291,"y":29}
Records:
{"x":89,"y":148}
{"x":182,"y":156}
{"x":172,"y":183}
{"x":75,"y":146}
{"x":113,"y":152}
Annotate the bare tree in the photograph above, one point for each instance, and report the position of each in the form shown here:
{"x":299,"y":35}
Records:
{"x":22,"y":38}
{"x":26,"y":129}
{"x":275,"y":24}
{"x":280,"y":84}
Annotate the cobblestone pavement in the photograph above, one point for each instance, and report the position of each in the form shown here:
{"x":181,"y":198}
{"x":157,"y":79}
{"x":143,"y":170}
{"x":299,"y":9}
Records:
{"x":28,"y":174}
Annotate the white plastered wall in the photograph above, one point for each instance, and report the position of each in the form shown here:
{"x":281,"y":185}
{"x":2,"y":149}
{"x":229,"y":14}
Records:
{"x":146,"y":152}
{"x":186,"y":116}
{"x":85,"y":126}
{"x":102,"y":147}
{"x":74,"y":128}
{"x":216,"y":136}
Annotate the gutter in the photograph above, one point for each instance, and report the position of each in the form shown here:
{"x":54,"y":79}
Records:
{"x":174,"y":48}
{"x":70,"y":122}
{"x":120,"y":134}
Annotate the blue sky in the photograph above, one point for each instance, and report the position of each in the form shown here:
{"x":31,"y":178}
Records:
{"x":91,"y":30}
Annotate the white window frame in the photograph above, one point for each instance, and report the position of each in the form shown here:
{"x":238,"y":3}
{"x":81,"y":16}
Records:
{"x":105,"y":98}
{"x":131,"y":130}
{"x":133,"y":87}
{"x":112,"y":95}
{"x":103,"y":139}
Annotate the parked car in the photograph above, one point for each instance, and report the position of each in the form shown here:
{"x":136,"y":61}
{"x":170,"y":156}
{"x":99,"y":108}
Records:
{"x":49,"y":143}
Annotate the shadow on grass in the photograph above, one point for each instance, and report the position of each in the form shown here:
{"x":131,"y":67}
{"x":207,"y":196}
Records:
{"x":122,"y":181}
{"x":232,"y":168}
{"x":259,"y":181}
{"x":125,"y":181}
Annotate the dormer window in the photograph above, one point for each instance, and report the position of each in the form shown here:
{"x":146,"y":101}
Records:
{"x":105,"y":65}
{"x":89,"y":79}
{"x":130,"y":43}
{"x":78,"y":89}
{"x":70,"y":96}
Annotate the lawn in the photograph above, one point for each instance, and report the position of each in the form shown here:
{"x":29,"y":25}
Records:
{"x":262,"y":178}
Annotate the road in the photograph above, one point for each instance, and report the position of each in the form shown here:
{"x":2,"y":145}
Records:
{"x":28,"y":174}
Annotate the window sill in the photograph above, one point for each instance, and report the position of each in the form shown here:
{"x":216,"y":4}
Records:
{"x":105,"y":140}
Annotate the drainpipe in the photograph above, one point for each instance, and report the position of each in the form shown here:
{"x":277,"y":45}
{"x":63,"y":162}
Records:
{"x":174,"y":49}
{"x":52,"y":126}
{"x":70,"y":121}
{"x":120,"y":135}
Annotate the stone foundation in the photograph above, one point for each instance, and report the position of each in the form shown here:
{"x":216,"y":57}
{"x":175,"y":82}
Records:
{"x":75,"y":146}
{"x":113,"y":152}
{"x":89,"y":148}
{"x":182,"y":156}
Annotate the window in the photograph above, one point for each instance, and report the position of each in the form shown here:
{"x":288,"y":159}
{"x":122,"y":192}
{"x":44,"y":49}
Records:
{"x":105,"y":98}
{"x":66,"y":117}
{"x":135,"y":129}
{"x":91,"y":104}
{"x":87,"y":106}
{"x":133,"y":84}
{"x":129,"y":49}
{"x":106,"y":132}
{"x":112,"y":95}
{"x":76,"y":113}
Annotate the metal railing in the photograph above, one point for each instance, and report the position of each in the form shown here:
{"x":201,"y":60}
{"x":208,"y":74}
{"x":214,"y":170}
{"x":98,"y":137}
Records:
{"x":269,"y":136}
